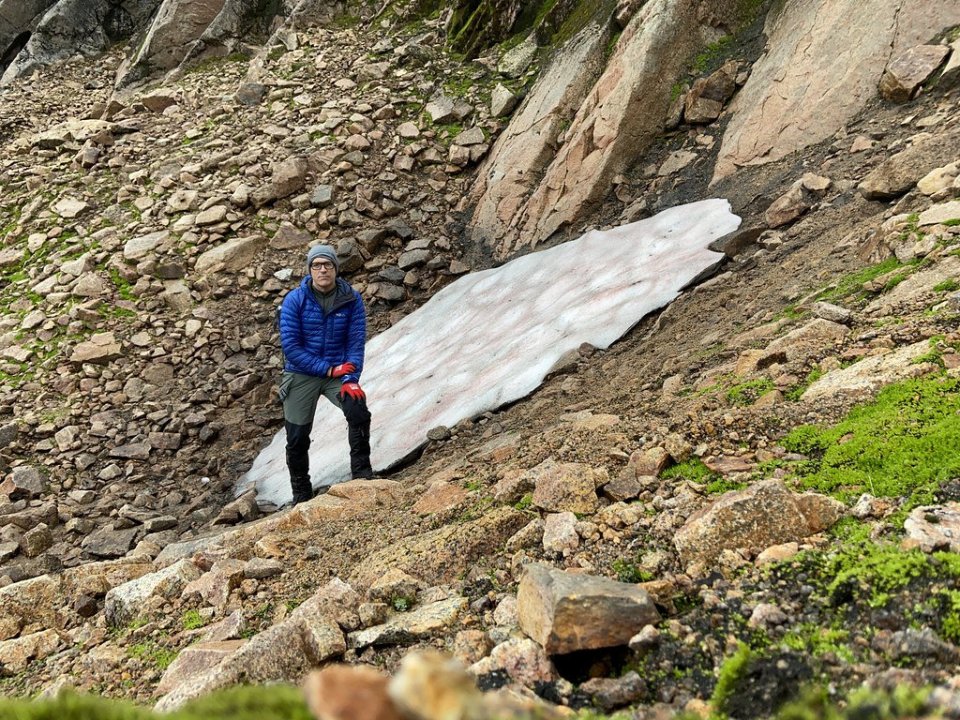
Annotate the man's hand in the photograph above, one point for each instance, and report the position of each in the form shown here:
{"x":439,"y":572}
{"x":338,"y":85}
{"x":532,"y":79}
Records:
{"x":342,"y":369}
{"x":352,"y":390}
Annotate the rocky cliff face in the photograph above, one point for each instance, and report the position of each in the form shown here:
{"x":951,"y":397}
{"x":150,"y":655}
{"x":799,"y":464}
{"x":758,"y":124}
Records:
{"x":646,"y":508}
{"x":69,"y":27}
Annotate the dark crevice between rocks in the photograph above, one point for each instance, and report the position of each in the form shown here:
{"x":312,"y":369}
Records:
{"x":18,"y":44}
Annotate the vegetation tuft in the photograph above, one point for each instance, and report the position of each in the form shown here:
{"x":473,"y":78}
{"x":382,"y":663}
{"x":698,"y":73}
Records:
{"x":904,"y":444}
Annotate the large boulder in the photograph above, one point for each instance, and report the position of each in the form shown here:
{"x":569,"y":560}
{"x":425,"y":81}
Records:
{"x":823,"y":62}
{"x":901,"y":171}
{"x":764,"y":514}
{"x":565,"y":612}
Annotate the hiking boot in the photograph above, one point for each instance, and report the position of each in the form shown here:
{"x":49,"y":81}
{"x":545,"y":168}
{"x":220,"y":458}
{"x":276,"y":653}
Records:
{"x":302,"y":488}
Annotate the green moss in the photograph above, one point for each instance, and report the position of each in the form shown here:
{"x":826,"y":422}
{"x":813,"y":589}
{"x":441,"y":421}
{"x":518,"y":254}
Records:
{"x":903,"y":444}
{"x":723,"y":485}
{"x":151,"y":652}
{"x":711,"y":55}
{"x":731,"y":673}
{"x":950,"y":615}
{"x":628,"y":572}
{"x":873,"y":572}
{"x":746,"y":393}
{"x":818,"y":704}
{"x":852,"y":284}
{"x":693,"y":470}
{"x":124,"y":288}
{"x":947,"y":286}
{"x":524,"y":503}
{"x":192,"y":620}
{"x":820,"y":641}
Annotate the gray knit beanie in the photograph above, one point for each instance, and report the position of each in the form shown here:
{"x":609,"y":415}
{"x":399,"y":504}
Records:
{"x":324,"y":251}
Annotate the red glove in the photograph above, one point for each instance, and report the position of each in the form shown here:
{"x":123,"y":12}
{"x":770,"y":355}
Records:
{"x":352,"y":390}
{"x":342,"y":369}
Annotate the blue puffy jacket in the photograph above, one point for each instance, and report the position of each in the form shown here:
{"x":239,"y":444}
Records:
{"x":313,"y":342}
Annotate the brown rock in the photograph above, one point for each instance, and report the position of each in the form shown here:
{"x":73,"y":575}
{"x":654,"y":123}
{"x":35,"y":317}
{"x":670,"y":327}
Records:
{"x":99,"y":349}
{"x":907,"y":71}
{"x":432,"y":685}
{"x":764,"y":514}
{"x":569,"y":487}
{"x":566,"y":612}
{"x":440,"y":497}
{"x":521,"y":659}
{"x":935,"y":527}
{"x":649,"y":462}
{"x":349,"y":692}
{"x":194,"y":660}
{"x":708,"y":95}
{"x":897,"y":174}
{"x":439,"y":556}
{"x":788,"y":207}
{"x":16,"y":655}
{"x":608,"y":694}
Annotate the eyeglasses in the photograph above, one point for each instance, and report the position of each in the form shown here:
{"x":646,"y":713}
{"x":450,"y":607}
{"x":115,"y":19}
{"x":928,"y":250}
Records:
{"x":317,"y":265}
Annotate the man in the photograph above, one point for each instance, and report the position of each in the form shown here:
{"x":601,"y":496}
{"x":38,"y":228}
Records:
{"x":323,"y":326}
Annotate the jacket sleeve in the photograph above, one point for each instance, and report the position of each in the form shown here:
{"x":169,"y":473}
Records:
{"x":356,"y":338}
{"x":292,"y":339}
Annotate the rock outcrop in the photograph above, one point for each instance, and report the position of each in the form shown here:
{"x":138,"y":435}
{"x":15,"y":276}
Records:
{"x":79,"y":26}
{"x":822,"y":64}
{"x":616,"y":121}
{"x":175,"y":27}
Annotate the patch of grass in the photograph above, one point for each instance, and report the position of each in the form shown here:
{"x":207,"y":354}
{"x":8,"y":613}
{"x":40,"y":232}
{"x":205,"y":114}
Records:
{"x":711,"y":55}
{"x":152,"y":653}
{"x":797,"y":391}
{"x":628,"y":572}
{"x":124,"y":288}
{"x":948,"y":285}
{"x":524,"y":503}
{"x":693,"y":470}
{"x":874,"y":571}
{"x":818,"y":703}
{"x":852,"y":284}
{"x":401,"y":604}
{"x":818,"y":641}
{"x":723,"y":485}
{"x":192,"y":620}
{"x":272,"y":702}
{"x":747,"y":393}
{"x":903,"y":444}
{"x":731,"y":672}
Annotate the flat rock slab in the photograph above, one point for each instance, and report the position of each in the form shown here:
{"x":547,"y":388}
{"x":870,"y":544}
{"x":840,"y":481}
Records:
{"x":944,"y":212}
{"x":123,"y":601}
{"x":565,"y":612}
{"x":16,"y":655}
{"x":915,"y":287}
{"x":194,"y":660}
{"x":870,"y":374}
{"x":909,"y":70}
{"x":567,"y":487}
{"x":408,"y":627}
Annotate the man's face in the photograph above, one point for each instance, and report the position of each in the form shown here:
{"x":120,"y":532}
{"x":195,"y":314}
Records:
{"x":323,"y":274}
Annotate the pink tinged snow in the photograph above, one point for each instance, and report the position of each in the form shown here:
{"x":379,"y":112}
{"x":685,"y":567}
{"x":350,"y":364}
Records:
{"x":492,"y":336}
